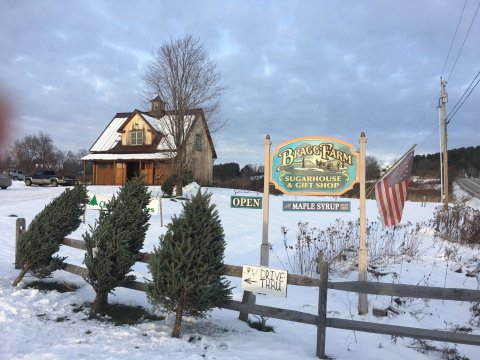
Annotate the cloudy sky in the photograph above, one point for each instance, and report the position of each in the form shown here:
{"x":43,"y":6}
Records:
{"x":290,"y":68}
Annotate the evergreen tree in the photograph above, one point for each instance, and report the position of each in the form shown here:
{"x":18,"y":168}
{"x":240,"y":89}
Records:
{"x":114,"y":244}
{"x":46,"y":233}
{"x":187,"y":268}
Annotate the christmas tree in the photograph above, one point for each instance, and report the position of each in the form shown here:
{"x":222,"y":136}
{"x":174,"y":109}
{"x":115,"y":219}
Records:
{"x":114,"y":244}
{"x":37,"y":245}
{"x":187,"y":268}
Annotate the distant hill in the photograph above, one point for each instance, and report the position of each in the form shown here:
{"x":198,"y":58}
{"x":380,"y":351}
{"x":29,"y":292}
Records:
{"x":461,"y":162}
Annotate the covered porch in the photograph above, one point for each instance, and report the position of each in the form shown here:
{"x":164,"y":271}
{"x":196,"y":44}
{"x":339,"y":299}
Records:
{"x":117,"y":169}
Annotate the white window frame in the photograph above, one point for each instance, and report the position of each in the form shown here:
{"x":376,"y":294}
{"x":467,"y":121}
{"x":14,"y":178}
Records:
{"x":136,"y":137}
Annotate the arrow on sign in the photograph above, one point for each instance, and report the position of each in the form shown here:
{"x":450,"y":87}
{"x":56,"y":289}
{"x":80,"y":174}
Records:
{"x":249,"y":281}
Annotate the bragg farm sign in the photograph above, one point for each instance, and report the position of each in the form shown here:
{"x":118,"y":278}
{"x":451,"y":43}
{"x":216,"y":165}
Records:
{"x":315,"y":166}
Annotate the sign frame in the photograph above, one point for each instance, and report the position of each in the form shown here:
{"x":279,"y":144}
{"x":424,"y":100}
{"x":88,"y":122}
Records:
{"x":352,"y":171}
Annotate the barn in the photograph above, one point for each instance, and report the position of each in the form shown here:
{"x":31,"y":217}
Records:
{"x":139,"y":143}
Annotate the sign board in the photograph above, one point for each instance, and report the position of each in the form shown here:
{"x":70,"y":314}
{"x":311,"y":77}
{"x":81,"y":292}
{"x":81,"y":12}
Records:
{"x":316,"y":206}
{"x":246,"y":202}
{"x":264,"y":280}
{"x":99,"y":202}
{"x":315,"y":166}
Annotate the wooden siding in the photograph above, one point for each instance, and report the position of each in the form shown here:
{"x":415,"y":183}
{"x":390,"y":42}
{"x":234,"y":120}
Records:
{"x":200,"y":161}
{"x":161,"y":172}
{"x":137,"y":123}
{"x":115,"y":173}
{"x":103,"y":173}
{"x":120,"y":173}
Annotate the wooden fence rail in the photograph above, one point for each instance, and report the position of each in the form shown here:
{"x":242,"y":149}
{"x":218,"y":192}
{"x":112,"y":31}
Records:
{"x":248,"y":306}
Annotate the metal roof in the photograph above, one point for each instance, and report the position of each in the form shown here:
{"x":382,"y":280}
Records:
{"x":110,"y":136}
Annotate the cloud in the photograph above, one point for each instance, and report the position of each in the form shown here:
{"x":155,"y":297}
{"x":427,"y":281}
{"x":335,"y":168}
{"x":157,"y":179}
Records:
{"x":290,"y":69}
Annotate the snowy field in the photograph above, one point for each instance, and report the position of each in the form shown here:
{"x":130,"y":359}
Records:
{"x":29,"y":318}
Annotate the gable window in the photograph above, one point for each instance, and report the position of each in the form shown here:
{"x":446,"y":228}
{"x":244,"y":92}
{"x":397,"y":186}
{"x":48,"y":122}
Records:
{"x":199,"y":142}
{"x":136,"y":137}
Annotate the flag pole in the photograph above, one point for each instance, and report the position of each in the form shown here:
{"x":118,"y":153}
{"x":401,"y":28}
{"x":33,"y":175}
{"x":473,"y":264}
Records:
{"x":391,"y":167}
{"x":396,"y":162}
{"x":362,"y":249}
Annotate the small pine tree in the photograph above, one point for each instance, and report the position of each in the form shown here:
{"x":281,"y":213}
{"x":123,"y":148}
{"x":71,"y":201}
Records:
{"x":114,"y":244}
{"x":46,"y":233}
{"x":187,"y":268}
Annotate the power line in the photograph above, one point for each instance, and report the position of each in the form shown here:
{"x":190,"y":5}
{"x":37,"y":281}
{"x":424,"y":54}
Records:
{"x":454,"y":35}
{"x":461,"y":97}
{"x":450,"y":117}
{"x":453,"y":68}
{"x":464,"y":40}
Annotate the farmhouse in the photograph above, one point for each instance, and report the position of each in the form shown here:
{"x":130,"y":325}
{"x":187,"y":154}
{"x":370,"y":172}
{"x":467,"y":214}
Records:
{"x":139,"y":143}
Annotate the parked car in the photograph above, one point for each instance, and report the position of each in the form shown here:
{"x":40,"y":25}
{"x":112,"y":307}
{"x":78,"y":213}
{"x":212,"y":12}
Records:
{"x":17,"y":175}
{"x":48,"y":177}
{"x":5,"y":181}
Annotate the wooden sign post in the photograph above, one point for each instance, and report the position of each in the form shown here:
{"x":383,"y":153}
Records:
{"x":266,"y":194}
{"x":362,"y":249}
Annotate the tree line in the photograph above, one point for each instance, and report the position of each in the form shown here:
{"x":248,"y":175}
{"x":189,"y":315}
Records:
{"x":462,"y":162}
{"x":37,"y":151}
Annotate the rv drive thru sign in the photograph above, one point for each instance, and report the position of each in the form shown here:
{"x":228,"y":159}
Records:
{"x":264,"y":280}
{"x":315,"y":166}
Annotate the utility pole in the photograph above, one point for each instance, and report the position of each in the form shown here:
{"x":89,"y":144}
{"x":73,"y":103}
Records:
{"x":443,"y":102}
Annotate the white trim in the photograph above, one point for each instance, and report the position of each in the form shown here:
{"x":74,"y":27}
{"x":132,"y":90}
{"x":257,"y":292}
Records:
{"x":146,"y":156}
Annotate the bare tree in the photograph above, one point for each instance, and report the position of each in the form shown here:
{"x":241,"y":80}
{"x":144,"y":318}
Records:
{"x":372,"y":167}
{"x":186,"y":79}
{"x":35,"y":151}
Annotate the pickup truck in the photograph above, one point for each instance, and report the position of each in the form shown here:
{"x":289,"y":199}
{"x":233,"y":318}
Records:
{"x":48,"y":177}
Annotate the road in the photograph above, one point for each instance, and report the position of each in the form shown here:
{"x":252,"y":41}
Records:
{"x":470,"y":185}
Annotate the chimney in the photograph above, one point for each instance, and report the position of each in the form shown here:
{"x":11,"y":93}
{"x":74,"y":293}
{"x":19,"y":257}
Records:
{"x":158,"y":107}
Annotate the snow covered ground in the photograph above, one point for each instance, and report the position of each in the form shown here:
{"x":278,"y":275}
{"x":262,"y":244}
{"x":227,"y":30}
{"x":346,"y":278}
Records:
{"x":44,"y":325}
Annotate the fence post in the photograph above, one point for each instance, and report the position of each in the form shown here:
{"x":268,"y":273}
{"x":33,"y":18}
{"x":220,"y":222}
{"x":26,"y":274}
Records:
{"x":20,"y":227}
{"x":322,"y":306}
{"x":248,"y":300}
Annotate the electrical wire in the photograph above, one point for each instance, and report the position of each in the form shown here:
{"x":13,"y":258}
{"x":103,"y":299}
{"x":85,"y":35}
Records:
{"x":454,"y":35}
{"x":461,"y":97}
{"x":459,"y":106}
{"x":453,"y":68}
{"x":443,"y":69}
{"x":464,"y":40}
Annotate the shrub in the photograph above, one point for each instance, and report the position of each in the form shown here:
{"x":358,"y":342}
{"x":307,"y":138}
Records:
{"x":37,"y":246}
{"x":187,"y":267}
{"x":459,"y":223}
{"x":115,"y":241}
{"x":339,"y":243}
{"x":170,"y":183}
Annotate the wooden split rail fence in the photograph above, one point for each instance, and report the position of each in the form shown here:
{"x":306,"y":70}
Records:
{"x":248,"y":305}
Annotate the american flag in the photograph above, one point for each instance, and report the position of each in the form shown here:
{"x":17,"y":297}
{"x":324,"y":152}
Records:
{"x":391,"y":190}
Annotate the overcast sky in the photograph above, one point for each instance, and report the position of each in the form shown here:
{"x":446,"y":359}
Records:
{"x":290,"y":68}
